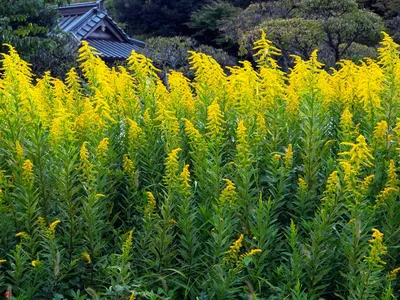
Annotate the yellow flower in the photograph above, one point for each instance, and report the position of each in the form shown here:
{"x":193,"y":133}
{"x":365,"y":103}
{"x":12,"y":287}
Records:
{"x":151,"y":204}
{"x":347,"y":126}
{"x":181,"y":94}
{"x":21,"y":234}
{"x":2,"y":261}
{"x":385,"y":194}
{"x":242,"y":159}
{"x":136,"y":134}
{"x":42,"y":222}
{"x":172,"y":221}
{"x":359,"y":155}
{"x":27,"y":171}
{"x":35,"y":263}
{"x":302,"y":184}
{"x":53,"y":225}
{"x":392,"y":175}
{"x":128,"y":165}
{"x":241,"y":132}
{"x":197,"y":141}
{"x":132,"y":297}
{"x":288,"y":158}
{"x":228,"y":194}
{"x":147,"y":119}
{"x":127,"y":245}
{"x":210,"y":79}
{"x":169,"y":124}
{"x":265,"y":51}
{"x":19,"y":151}
{"x":86,"y":256}
{"x":172,"y":166}
{"x":85,"y":165}
{"x":215,"y":121}
{"x":377,"y":249}
{"x":381,"y":132}
{"x":388,"y":52}
{"x":332,"y":185}
{"x":391,"y":187}
{"x":276,"y":157}
{"x":84,"y":153}
{"x":251,"y":253}
{"x":393,"y":274}
{"x":184,"y":179}
{"x":232,"y":255}
{"x":102,"y":148}
{"x":261,"y":127}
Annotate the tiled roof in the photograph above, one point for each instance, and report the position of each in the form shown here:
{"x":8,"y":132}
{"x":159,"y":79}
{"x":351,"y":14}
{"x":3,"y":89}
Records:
{"x":80,"y":8}
{"x":82,"y":19}
{"x":113,"y":50}
{"x":80,"y":25}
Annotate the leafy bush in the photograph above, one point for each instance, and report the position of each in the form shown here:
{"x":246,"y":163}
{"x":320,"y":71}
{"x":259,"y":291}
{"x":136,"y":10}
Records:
{"x":31,"y":27}
{"x":257,"y":184}
{"x":172,"y":53}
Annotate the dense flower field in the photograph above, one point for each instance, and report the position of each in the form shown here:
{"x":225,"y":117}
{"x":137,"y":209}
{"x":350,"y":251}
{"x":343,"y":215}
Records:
{"x":246,"y":184}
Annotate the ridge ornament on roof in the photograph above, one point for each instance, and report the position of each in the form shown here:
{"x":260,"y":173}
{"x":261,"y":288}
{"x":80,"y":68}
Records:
{"x":89,"y":21}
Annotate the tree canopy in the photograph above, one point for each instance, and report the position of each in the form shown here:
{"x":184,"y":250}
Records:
{"x":337,"y":27}
{"x":30,"y":26}
{"x":156,"y":17}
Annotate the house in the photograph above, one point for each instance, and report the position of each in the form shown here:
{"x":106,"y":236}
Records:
{"x":90,"y":22}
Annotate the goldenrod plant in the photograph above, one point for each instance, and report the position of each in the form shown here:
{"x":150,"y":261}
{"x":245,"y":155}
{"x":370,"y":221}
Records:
{"x":245,"y":184}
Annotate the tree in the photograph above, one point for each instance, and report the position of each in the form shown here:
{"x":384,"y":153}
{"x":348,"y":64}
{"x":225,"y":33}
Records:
{"x":389,"y":10}
{"x":206,"y":21}
{"x":299,"y":37}
{"x":30,"y":26}
{"x":344,"y":23}
{"x":156,"y":17}
{"x":299,"y":26}
{"x":233,"y":29}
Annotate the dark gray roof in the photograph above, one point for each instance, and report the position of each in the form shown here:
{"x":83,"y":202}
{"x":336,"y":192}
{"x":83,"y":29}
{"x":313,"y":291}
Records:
{"x":113,"y":50}
{"x":80,"y":25}
{"x":80,"y":8}
{"x":82,"y":19}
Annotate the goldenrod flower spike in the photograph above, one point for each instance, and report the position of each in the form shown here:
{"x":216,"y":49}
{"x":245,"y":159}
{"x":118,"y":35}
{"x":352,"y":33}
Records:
{"x":132,"y":297}
{"x":184,"y":179}
{"x":102,"y":148}
{"x":52,"y":226}
{"x":21,"y":234}
{"x":19,"y":151}
{"x":151,"y":204}
{"x":288,"y":158}
{"x":128,"y":166}
{"x":232,"y":255}
{"x":35,"y":263}
{"x":228,"y":194}
{"x":359,"y":154}
{"x":265,"y":51}
{"x":393,"y":274}
{"x":172,"y":166}
{"x":215,"y":120}
{"x":27,"y":171}
{"x":86,"y":256}
{"x":127,"y":245}
{"x":377,"y":249}
{"x":388,"y":52}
